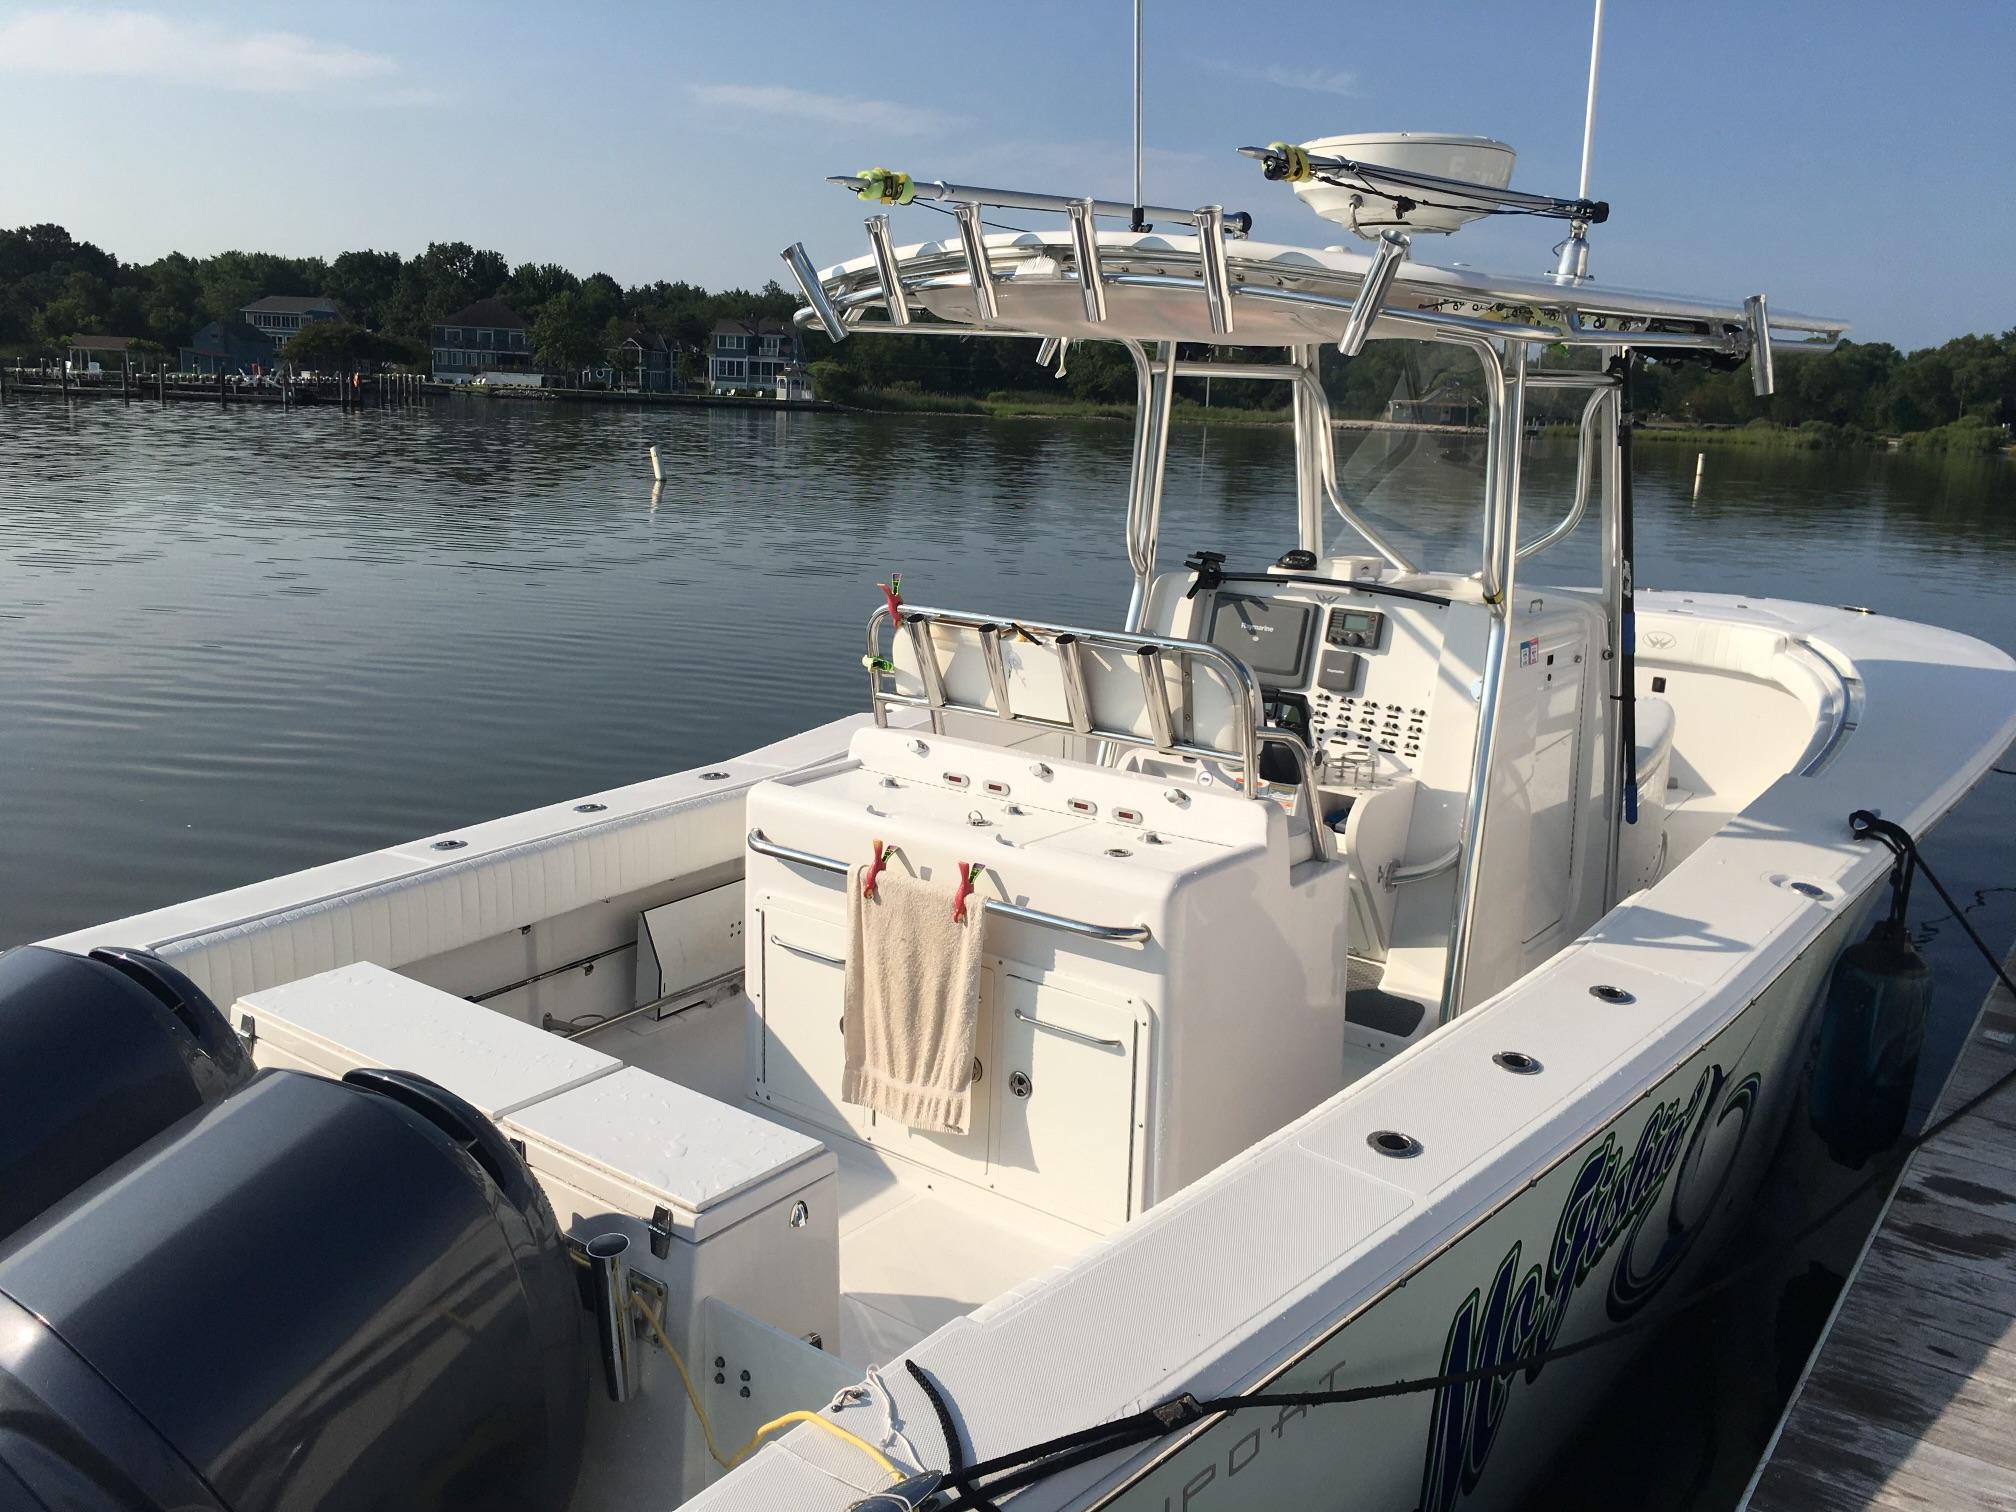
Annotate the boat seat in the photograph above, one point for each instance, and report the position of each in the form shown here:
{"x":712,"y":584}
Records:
{"x":1655,"y":735}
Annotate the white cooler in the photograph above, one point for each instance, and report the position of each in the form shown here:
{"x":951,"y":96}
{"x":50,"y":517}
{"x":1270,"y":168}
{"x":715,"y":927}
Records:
{"x":364,"y":1015}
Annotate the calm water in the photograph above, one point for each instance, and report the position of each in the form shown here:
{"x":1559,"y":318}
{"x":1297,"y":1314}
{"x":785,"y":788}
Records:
{"x":235,"y":642}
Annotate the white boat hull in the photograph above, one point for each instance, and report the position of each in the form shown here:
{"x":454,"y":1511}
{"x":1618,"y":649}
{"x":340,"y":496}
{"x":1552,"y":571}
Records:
{"x":1619,"y":1232}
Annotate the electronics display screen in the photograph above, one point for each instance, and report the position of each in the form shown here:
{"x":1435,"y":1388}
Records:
{"x":1270,"y":636}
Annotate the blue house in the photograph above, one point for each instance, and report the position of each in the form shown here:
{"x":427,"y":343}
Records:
{"x":227,"y":346}
{"x":487,"y":340}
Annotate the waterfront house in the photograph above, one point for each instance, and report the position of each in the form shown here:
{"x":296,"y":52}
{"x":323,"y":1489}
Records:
{"x":92,"y":354}
{"x":487,"y":341}
{"x":751,"y":353}
{"x":280,"y":317}
{"x":642,"y":360}
{"x":226,"y":346}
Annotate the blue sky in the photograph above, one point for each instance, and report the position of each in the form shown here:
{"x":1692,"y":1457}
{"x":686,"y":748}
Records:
{"x":1853,"y":158}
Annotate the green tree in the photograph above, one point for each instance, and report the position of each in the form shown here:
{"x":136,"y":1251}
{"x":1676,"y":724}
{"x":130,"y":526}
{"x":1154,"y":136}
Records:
{"x":564,"y":338}
{"x":366,"y":285}
{"x":340,"y":346}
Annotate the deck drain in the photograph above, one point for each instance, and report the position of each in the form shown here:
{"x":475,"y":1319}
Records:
{"x":590,"y":808}
{"x":450,"y":844}
{"x":1392,"y":1142}
{"x":712,"y":776}
{"x":1518,"y":1062}
{"x":1809,"y":890}
{"x":1119,"y":852}
{"x":1611,"y":994}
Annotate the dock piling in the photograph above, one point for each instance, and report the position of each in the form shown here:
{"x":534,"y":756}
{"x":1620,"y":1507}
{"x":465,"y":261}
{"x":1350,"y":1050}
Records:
{"x":657,"y":472}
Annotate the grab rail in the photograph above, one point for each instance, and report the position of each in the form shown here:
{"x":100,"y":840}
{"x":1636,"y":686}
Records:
{"x":763,"y":845}
{"x":1071,"y":1034}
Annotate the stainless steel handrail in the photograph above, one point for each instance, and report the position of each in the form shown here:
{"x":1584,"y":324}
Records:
{"x":811,"y":955}
{"x":763,"y":845}
{"x":1071,"y":1034}
{"x":1069,"y":643}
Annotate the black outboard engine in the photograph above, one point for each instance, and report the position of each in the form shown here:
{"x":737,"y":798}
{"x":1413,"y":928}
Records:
{"x":310,"y":1294}
{"x":98,"y":1054}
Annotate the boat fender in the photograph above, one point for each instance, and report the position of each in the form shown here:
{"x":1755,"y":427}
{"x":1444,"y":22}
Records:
{"x":1872,"y":1024}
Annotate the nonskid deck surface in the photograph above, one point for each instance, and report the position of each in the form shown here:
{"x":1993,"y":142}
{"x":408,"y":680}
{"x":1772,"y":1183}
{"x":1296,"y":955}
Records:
{"x":914,"y":1256}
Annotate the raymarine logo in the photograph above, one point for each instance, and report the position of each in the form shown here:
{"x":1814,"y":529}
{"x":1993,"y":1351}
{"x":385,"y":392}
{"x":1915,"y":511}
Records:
{"x":1610,"y":1205}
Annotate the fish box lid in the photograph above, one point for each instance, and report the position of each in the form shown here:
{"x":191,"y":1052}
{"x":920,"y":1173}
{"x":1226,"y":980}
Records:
{"x":365,"y":1015}
{"x":639,"y":1142}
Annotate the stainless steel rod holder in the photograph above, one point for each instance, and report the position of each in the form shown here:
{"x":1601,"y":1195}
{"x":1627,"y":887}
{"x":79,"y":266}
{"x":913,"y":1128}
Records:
{"x":997,"y":671}
{"x":808,"y":283}
{"x":886,"y":270}
{"x":1077,"y":708}
{"x":1085,"y":247}
{"x":1392,"y":252}
{"x":924,"y":646}
{"x":1217,"y":274}
{"x":973,"y":246}
{"x":615,"y":1332}
{"x":1155,"y":697}
{"x":1763,"y":378}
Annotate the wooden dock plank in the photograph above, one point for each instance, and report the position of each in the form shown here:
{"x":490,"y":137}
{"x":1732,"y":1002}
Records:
{"x":1911,"y":1400}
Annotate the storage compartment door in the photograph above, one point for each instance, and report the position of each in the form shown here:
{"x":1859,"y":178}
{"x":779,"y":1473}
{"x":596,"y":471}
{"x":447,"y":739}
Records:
{"x":961,"y":1155}
{"x":1063,"y":1099}
{"x":803,"y":992}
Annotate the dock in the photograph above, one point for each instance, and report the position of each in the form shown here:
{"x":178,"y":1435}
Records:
{"x":1910,"y":1399}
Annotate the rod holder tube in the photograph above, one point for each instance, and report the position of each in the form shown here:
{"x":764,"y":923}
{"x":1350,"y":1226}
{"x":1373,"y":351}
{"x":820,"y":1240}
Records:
{"x":1155,"y":697}
{"x":1763,"y":379}
{"x":1217,"y":274}
{"x":924,"y":646}
{"x":885,"y":270}
{"x":1072,"y":670}
{"x":1386,"y":260}
{"x":808,"y":283}
{"x":973,"y":247}
{"x":1085,"y":248}
{"x":997,"y":672}
{"x":615,"y":1336}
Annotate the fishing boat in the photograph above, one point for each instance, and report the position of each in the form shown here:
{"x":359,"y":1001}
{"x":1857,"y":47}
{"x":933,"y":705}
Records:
{"x":1380,"y":970}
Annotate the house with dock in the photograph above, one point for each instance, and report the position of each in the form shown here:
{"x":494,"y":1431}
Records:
{"x":280,"y":317}
{"x":92,"y":354}
{"x":752,"y":353}
{"x":487,"y":342}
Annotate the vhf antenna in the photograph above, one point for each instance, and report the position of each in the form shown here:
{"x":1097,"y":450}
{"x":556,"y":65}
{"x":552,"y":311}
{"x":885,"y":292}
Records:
{"x":1573,"y":265}
{"x":1140,"y":213}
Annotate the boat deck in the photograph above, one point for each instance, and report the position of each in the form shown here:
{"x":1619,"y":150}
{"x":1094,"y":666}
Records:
{"x":1907,"y":1401}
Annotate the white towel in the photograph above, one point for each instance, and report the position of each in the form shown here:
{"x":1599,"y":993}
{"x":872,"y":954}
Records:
{"x":912,"y":1002}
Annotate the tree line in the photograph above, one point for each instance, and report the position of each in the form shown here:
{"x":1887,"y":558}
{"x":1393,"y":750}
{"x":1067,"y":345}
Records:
{"x":54,"y":287}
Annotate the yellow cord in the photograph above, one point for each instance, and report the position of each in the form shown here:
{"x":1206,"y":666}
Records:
{"x":729,"y":1462}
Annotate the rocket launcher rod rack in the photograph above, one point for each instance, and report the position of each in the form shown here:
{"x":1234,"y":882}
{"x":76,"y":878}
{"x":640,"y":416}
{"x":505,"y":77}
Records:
{"x":1151,"y":656}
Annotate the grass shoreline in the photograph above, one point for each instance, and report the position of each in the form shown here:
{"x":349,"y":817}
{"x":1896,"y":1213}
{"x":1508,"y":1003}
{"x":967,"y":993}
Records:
{"x":1966,"y":437}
